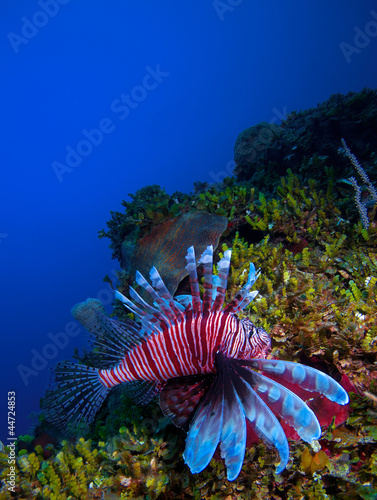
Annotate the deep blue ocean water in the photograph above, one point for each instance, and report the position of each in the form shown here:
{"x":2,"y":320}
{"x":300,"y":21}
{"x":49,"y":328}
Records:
{"x":100,"y":99}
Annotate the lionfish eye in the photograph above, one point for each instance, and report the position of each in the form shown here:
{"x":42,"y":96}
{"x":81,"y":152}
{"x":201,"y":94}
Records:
{"x":249,"y":327}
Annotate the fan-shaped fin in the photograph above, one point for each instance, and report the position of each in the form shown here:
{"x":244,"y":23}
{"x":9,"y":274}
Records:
{"x":180,"y":397}
{"x":262,"y":420}
{"x":282,"y":401}
{"x":233,"y":433}
{"x":75,"y":398}
{"x":207,"y":260}
{"x":194,"y":284}
{"x":112,"y":341}
{"x":205,"y":429}
{"x":306,"y":377}
{"x":223,"y":271}
{"x":141,"y":391}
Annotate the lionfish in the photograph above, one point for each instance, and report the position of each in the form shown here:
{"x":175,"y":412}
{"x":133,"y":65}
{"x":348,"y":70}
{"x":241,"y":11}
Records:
{"x":207,"y":365}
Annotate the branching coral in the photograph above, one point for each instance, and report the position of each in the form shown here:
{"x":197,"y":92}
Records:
{"x":361,"y":206}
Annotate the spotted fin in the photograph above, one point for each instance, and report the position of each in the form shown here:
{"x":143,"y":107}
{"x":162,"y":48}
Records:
{"x":283,"y":402}
{"x":74,"y":398}
{"x":180,"y":397}
{"x":141,"y":391}
{"x":306,"y":377}
{"x":220,"y":418}
{"x":206,"y":427}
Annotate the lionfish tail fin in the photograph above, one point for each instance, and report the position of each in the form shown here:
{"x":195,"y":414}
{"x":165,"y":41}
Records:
{"x":75,"y":397}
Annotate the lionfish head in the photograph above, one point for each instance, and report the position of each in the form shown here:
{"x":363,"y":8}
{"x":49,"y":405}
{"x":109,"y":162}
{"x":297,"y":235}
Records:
{"x":259,"y":342}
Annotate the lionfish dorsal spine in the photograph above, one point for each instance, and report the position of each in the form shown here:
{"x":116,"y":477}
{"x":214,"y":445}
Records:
{"x":194,"y":283}
{"x":223,"y":272}
{"x":163,"y":292}
{"x":206,"y":260}
{"x":244,"y":296}
{"x":150,"y":323}
{"x":165,"y":313}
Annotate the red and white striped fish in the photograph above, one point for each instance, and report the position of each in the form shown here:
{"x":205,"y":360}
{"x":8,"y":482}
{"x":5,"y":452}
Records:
{"x":202,"y":361}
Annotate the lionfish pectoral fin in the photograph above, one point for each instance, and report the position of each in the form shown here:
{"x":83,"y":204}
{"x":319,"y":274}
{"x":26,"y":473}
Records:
{"x":262,"y":420}
{"x":283,"y":402}
{"x":180,"y":397}
{"x":205,"y":428}
{"x":233,"y":433}
{"x":260,"y":417}
{"x":307,"y":378}
{"x":75,"y":398}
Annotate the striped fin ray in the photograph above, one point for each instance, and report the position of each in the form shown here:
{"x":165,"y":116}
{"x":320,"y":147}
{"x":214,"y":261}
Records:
{"x":307,"y":378}
{"x":112,"y":341}
{"x":207,"y":260}
{"x":150,"y":320}
{"x":262,"y":420}
{"x":180,"y":397}
{"x":282,"y":401}
{"x":233,"y":433}
{"x":159,"y":285}
{"x":220,"y":418}
{"x":194,"y":284}
{"x":205,"y":429}
{"x":77,"y":396}
{"x":164,"y":307}
{"x":244,"y":296}
{"x":223,"y":270}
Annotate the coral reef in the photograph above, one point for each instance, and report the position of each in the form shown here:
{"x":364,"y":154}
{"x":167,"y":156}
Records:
{"x":309,"y":134}
{"x":317,"y":299}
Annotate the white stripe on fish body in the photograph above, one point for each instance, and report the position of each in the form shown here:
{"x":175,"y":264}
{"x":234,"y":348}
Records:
{"x":194,"y":353}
